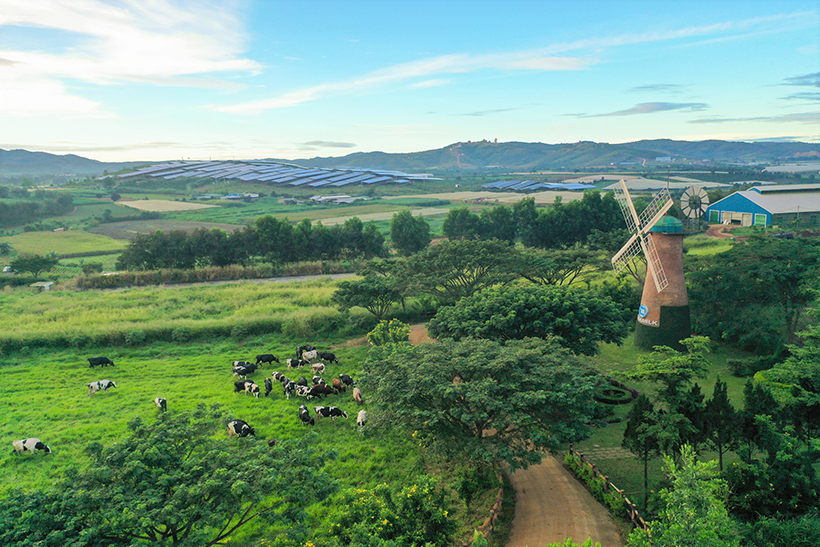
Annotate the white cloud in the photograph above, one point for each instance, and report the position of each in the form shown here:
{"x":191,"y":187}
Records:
{"x":157,"y":41}
{"x":431,"y":83}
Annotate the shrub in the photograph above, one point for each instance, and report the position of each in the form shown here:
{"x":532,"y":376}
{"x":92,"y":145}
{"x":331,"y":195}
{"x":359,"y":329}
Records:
{"x":595,"y":485}
{"x":389,"y":332}
{"x":135,"y":338}
{"x":239,"y":331}
{"x":180,"y":334}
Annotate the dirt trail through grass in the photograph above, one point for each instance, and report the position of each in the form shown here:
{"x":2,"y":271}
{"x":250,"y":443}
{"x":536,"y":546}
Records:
{"x":550,"y":505}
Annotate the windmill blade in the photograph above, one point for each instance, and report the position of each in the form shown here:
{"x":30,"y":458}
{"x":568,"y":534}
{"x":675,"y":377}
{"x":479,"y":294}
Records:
{"x":655,"y":210}
{"x":653,"y":263}
{"x":627,"y":254}
{"x":628,"y":210}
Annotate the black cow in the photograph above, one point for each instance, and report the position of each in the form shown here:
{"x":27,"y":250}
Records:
{"x":322,"y":389}
{"x":302,"y":381}
{"x":304,"y":415}
{"x":161,"y":403}
{"x":347,"y":379}
{"x":240,"y":428}
{"x":327,"y":356}
{"x":300,"y":349}
{"x":99,"y":362}
{"x":268,"y":386}
{"x":266,"y":358}
{"x":239,"y":386}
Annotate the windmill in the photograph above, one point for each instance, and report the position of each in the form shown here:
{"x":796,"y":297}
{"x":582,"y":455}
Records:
{"x":663,"y":317}
{"x":693,"y":203}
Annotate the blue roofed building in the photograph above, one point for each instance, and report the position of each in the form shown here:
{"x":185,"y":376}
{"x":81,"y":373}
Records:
{"x":784,"y":205}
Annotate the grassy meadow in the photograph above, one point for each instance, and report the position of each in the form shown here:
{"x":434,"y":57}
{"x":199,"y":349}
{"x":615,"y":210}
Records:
{"x":62,"y":243}
{"x":45,"y":395}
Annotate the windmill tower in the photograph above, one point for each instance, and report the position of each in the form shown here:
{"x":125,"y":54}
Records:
{"x":663,"y":318}
{"x":693,"y":203}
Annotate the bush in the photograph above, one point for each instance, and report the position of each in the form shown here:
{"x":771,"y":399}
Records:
{"x":92,"y":267}
{"x":595,"y":485}
{"x":180,"y":334}
{"x":135,"y":338}
{"x":612,"y":395}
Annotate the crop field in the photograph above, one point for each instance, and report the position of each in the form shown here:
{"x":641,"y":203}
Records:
{"x":62,"y":243}
{"x":163,"y":205}
{"x":126,"y":229}
{"x":45,"y":395}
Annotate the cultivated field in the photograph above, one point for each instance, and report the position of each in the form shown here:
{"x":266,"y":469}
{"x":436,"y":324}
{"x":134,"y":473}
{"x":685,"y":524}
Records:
{"x":507,"y":198}
{"x":163,"y":205}
{"x":126,"y":229}
{"x":62,"y":243}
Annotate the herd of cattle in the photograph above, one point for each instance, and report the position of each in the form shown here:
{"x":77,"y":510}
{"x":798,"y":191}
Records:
{"x":306,"y":355}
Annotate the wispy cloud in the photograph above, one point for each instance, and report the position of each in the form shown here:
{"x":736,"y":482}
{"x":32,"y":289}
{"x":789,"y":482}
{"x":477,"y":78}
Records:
{"x":670,"y":89}
{"x":79,"y":148}
{"x":485,"y":112}
{"x":162,"y":42}
{"x":805,"y":96}
{"x":802,"y":117}
{"x":811,"y":80}
{"x":649,"y":108}
{"x":330,"y":144}
{"x":431,"y":83}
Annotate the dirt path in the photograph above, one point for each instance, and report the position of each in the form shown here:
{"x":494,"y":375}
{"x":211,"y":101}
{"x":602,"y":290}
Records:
{"x":550,"y":505}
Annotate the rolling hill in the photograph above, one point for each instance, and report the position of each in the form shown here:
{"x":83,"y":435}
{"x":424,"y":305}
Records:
{"x":24,"y":162}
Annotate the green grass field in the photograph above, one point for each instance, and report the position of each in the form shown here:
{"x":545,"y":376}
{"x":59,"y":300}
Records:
{"x":62,"y":243}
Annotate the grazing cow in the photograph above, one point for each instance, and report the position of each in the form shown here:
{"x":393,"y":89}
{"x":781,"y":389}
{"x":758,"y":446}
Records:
{"x":302,"y":381}
{"x":318,"y":368}
{"x":357,"y":395}
{"x":296,"y":363}
{"x":268,"y":386}
{"x":99,"y":362}
{"x":103,"y":385}
{"x":323,"y":389}
{"x":244,"y":368}
{"x":322,"y":411}
{"x":304,"y":415}
{"x":240,"y":385}
{"x":307,"y":392}
{"x":289,"y":387}
{"x":241,"y":363}
{"x":266,"y":358}
{"x":278,"y":376}
{"x":347,"y":379}
{"x":327,"y":356}
{"x":31,"y":444}
{"x":161,"y":403}
{"x":309,"y":356}
{"x":271,"y":442}
{"x":252,"y":389}
{"x":301,"y":349}
{"x":339,"y":385}
{"x":331,"y":412}
{"x":361,"y":419}
{"x":318,"y":380}
{"x":240,"y":428}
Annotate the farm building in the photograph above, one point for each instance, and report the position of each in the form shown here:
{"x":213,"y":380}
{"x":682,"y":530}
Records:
{"x":785,"y":205}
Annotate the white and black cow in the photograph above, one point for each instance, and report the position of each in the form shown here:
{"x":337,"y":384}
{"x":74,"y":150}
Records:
{"x":327,"y":356}
{"x":309,"y":356}
{"x":361,"y":419}
{"x":161,"y":403}
{"x":318,"y":380}
{"x":244,"y":369}
{"x":99,"y":362}
{"x":100,"y":385}
{"x":31,"y":444}
{"x":289,"y":387}
{"x":239,"y":386}
{"x":240,"y":428}
{"x":306,"y":391}
{"x":318,"y":368}
{"x":304,"y":415}
{"x":241,"y":363}
{"x":302,"y":349}
{"x":266,"y":358}
{"x":347,"y":380}
{"x":268,"y":386}
{"x":278,"y":376}
{"x":252,"y":389}
{"x":331,"y":412}
{"x":296,"y":363}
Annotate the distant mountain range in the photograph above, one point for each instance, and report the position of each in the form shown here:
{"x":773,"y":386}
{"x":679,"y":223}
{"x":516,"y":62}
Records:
{"x":480,"y":155}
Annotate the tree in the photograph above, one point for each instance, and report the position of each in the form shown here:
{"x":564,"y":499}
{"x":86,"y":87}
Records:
{"x":694,"y":513}
{"x":722,"y":422}
{"x":115,"y":197}
{"x":478,"y":399}
{"x":580,"y":319}
{"x":172,"y":483}
{"x":33,"y":264}
{"x":638,"y":441}
{"x":5,"y":248}
{"x":454,"y":269}
{"x":409,"y":234}
{"x":374,"y":293}
{"x":389,"y":332}
{"x":461,"y":223}
{"x":672,"y":368}
{"x":497,"y":222}
{"x":559,"y":266}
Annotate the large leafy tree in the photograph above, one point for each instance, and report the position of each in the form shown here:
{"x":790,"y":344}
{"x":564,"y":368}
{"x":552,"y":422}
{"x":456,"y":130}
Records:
{"x":579,"y":318}
{"x":171,"y":483}
{"x":33,"y":264}
{"x":673,"y":369}
{"x":559,"y":266}
{"x":454,"y":269}
{"x":461,"y":223}
{"x":639,"y":440}
{"x":409,"y":234}
{"x":693,"y":513}
{"x":488,"y":402}
{"x":722,"y":422}
{"x":375,"y":293}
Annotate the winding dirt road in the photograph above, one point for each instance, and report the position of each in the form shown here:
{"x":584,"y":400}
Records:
{"x":550,"y":505}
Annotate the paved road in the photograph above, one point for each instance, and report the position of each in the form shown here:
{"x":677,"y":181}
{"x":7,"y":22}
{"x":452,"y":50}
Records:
{"x":551,"y":506}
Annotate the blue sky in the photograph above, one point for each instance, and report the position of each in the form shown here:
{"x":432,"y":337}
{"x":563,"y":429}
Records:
{"x":161,"y":79}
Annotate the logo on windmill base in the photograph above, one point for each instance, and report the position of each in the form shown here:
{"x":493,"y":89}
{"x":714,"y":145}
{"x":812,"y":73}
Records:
{"x":642,"y":311}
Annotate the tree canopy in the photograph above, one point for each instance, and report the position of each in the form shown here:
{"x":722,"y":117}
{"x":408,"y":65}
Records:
{"x":409,"y":234}
{"x":580,"y":319}
{"x":482,"y":400}
{"x":33,"y":264}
